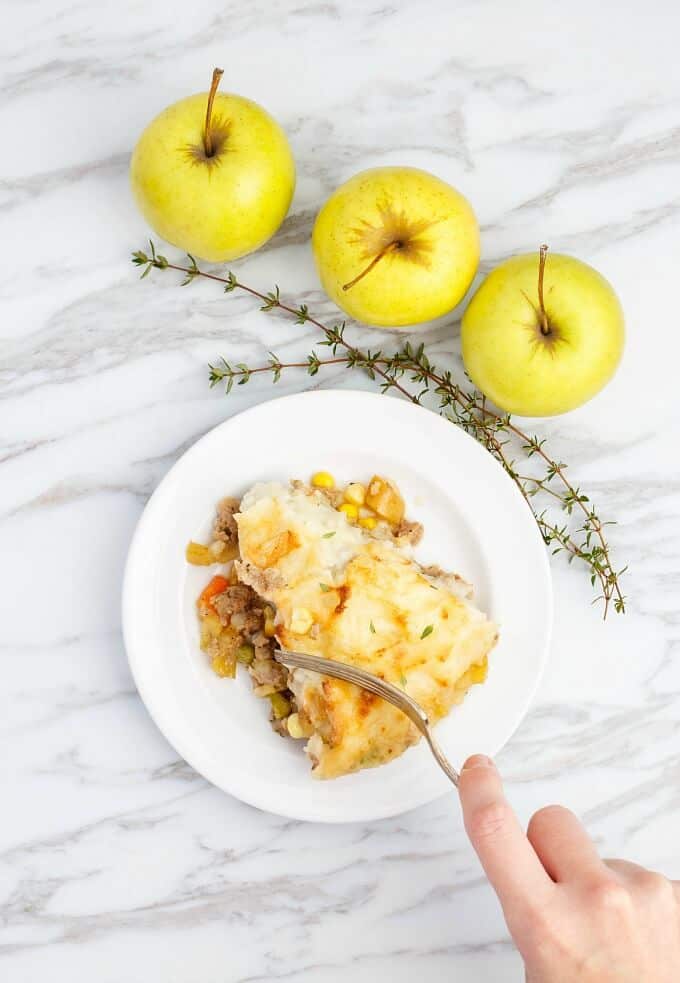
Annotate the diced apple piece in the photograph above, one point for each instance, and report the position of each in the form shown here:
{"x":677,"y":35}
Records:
{"x":224,"y":665}
{"x":211,"y":626}
{"x":223,"y":552}
{"x":385,"y":500}
{"x":200,"y":555}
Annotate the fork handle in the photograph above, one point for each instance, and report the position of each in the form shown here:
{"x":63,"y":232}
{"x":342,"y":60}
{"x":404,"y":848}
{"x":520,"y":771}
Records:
{"x":440,"y":757}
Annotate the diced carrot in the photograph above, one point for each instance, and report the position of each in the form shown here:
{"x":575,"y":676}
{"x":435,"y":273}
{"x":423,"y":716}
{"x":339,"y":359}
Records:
{"x":216,"y":586}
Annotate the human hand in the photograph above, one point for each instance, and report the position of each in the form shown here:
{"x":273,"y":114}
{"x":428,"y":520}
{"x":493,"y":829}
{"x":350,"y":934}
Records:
{"x":573,"y":916}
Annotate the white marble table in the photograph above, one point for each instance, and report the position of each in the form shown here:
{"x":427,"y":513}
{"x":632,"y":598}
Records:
{"x":117,"y":862}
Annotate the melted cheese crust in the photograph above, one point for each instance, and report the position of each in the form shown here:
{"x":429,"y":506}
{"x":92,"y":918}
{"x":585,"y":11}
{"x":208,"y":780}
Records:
{"x":371,"y":605}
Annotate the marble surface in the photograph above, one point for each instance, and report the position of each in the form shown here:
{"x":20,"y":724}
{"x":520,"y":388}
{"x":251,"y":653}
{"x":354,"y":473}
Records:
{"x":117,"y":862}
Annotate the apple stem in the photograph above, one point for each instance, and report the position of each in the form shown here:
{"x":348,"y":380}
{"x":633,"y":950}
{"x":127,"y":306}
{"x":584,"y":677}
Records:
{"x":207,"y":136}
{"x":389,"y":248}
{"x":545,"y":326}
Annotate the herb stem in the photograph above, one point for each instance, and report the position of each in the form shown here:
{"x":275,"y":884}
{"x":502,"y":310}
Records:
{"x":223,"y":374}
{"x":271,"y":301}
{"x":469,"y":410}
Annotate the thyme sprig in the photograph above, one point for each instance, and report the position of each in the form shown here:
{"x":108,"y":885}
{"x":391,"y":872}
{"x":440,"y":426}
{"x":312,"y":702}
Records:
{"x":410,"y":366}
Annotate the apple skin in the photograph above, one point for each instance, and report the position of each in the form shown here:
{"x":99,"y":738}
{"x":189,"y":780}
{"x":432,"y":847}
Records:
{"x":221,"y":207}
{"x":419,"y":282}
{"x":514,"y":364}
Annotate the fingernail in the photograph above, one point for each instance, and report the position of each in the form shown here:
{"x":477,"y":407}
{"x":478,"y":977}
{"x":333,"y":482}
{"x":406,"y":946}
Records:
{"x":478,"y":761}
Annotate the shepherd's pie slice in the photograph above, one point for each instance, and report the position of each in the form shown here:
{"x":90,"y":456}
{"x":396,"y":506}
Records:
{"x":343,"y":594}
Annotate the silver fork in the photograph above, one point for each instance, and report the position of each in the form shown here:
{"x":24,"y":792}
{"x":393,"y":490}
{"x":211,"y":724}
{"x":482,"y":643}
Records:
{"x":367,"y":681}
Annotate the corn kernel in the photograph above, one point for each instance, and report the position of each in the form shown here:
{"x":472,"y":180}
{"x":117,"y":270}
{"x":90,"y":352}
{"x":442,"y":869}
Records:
{"x":299,"y":726}
{"x":351,"y":511}
{"x":368,"y":521}
{"x":322,"y":479}
{"x":478,"y":671}
{"x":355,"y":493}
{"x":294,"y":726}
{"x":301,"y":621}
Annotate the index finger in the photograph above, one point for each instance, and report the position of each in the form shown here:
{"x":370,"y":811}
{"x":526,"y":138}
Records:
{"x":509,"y":860}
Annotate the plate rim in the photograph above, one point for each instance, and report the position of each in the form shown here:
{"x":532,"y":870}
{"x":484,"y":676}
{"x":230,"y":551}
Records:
{"x":163,"y":719}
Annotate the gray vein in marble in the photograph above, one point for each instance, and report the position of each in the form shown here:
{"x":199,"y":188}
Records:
{"x":15,"y":192}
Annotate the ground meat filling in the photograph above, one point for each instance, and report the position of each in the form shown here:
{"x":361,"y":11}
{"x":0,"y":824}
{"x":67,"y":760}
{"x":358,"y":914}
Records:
{"x":241,"y":610}
{"x":225,"y":529}
{"x":406,"y":532}
{"x":456,"y":584}
{"x":266,"y":672}
{"x":334,"y":496}
{"x":409,"y":532}
{"x":234,"y":600}
{"x":249,"y":622}
{"x":261,"y":581}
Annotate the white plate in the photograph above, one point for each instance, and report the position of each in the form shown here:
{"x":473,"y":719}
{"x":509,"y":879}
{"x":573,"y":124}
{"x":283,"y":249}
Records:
{"x":476,"y":523}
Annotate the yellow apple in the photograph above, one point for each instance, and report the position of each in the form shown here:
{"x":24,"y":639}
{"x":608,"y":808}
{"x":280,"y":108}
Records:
{"x":542,"y":334}
{"x":395,"y":246}
{"x":214,"y":175}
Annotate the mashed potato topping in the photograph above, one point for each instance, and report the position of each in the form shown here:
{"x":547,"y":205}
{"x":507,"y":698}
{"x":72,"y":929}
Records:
{"x":356,"y":595}
{"x":325,"y":536}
